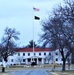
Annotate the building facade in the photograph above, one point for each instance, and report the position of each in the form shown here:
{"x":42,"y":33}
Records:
{"x":38,"y":55}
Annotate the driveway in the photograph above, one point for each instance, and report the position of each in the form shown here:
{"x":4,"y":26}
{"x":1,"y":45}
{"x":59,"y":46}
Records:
{"x":30,"y":72}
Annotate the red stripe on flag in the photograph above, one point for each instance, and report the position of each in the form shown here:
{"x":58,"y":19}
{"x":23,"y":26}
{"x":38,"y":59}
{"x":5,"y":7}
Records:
{"x":36,"y":9}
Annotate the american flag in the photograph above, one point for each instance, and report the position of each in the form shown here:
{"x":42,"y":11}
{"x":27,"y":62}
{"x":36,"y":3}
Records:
{"x":36,"y":9}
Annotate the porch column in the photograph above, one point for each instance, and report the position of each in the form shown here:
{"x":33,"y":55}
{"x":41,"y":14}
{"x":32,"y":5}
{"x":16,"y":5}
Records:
{"x":31,"y":59}
{"x":42,"y":61}
{"x":37,"y":61}
{"x":26,"y":61}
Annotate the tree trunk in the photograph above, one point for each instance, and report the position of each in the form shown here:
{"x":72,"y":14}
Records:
{"x":4,"y":65}
{"x":3,"y":69}
{"x":63,"y":66}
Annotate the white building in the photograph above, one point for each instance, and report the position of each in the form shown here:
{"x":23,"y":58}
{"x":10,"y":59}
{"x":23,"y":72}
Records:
{"x":39,"y":55}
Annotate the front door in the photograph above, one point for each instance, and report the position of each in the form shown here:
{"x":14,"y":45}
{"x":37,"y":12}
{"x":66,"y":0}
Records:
{"x":35,"y":59}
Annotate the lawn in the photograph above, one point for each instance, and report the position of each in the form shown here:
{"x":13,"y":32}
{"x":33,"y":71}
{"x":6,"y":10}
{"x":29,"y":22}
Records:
{"x":4,"y":73}
{"x":64,"y":73}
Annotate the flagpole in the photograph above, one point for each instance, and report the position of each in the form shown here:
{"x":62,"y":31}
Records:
{"x":37,"y":18}
{"x":33,"y":42}
{"x":33,"y":35}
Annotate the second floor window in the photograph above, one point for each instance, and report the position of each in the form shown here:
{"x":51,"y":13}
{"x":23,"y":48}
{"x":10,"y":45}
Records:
{"x":23,"y":54}
{"x":44,"y":53}
{"x":28,"y":54}
{"x":18,"y":54}
{"x":34,"y":54}
{"x":39,"y":53}
{"x":49,"y":53}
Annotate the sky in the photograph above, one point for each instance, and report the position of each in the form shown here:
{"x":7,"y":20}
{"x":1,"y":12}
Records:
{"x":19,"y":14}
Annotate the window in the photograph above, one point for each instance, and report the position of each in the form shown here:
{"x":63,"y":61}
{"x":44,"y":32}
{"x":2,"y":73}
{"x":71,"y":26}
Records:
{"x":61,"y":59}
{"x":28,"y":54}
{"x":40,"y":59}
{"x":11,"y":60}
{"x":18,"y":54}
{"x":49,"y":53}
{"x":0,"y":60}
{"x":56,"y":53}
{"x":56,"y":59}
{"x":23,"y":54}
{"x":23,"y":60}
{"x":34,"y":54}
{"x":44,"y":53}
{"x":39,"y":53}
{"x":29,"y":60}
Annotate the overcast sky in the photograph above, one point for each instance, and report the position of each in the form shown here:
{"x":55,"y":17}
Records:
{"x":19,"y":14}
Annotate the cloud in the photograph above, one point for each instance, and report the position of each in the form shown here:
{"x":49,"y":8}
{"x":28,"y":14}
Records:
{"x":11,"y":8}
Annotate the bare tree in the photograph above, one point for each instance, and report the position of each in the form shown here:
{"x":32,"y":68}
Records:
{"x":20,"y":59}
{"x":48,"y":58}
{"x":59,"y":30}
{"x":8,"y":46}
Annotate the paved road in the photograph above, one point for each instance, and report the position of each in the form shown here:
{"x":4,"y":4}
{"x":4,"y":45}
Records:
{"x":30,"y":72}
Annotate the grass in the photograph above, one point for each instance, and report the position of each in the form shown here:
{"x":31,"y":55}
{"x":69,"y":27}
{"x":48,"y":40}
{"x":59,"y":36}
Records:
{"x":10,"y":69}
{"x":4,"y":73}
{"x":63,"y":73}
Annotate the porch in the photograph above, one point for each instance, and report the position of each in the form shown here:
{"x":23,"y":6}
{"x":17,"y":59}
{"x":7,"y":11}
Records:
{"x":35,"y":59}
